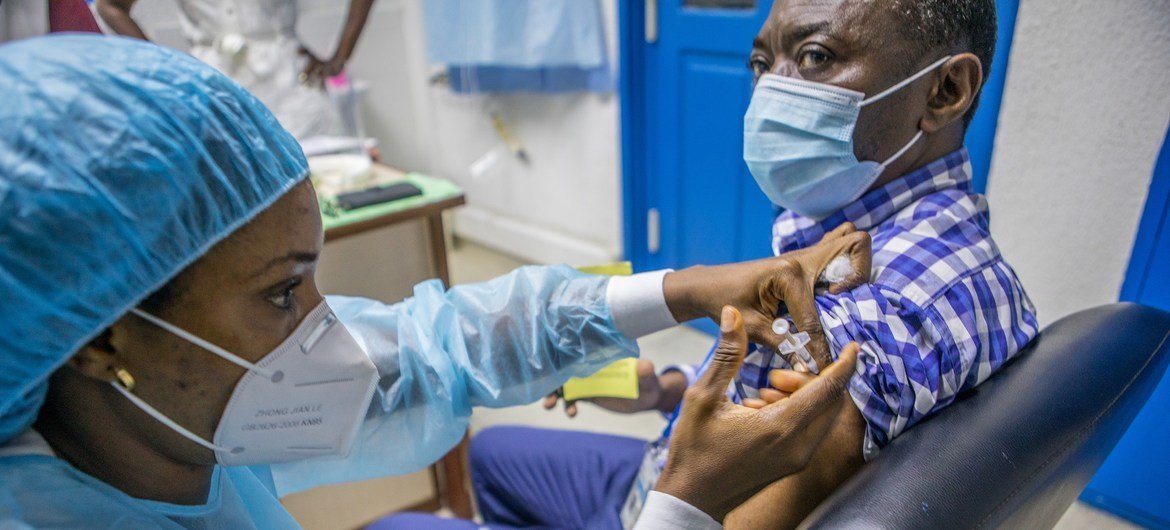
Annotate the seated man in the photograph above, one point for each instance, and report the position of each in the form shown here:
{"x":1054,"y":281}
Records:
{"x":894,"y":82}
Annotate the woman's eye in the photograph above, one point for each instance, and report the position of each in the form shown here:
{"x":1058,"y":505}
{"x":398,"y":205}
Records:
{"x":812,"y":58}
{"x":285,"y":298}
{"x":282,"y":300}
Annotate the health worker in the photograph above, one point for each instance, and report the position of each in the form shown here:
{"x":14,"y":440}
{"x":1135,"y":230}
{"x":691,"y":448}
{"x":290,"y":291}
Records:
{"x":167,"y":361}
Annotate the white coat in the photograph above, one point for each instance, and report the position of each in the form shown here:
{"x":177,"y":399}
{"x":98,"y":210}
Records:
{"x":255,"y":43}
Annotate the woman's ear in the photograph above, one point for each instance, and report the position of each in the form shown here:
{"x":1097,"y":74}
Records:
{"x":97,"y":359}
{"x":957,"y":88}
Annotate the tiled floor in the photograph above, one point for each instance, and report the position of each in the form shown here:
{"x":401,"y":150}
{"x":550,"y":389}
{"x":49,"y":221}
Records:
{"x":472,"y":263}
{"x":1084,"y":517}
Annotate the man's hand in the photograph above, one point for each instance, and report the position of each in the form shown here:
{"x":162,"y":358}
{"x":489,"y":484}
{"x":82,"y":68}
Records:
{"x":761,"y":286}
{"x":655,"y":392}
{"x":722,"y":454}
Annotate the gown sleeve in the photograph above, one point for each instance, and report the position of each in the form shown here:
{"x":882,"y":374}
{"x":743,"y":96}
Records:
{"x":505,"y":342}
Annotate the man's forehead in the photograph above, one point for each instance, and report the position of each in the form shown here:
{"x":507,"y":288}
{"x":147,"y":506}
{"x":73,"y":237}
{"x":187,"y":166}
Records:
{"x":861,"y":20}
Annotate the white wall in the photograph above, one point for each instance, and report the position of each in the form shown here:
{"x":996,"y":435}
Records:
{"x":1085,"y":110}
{"x":564,"y":206}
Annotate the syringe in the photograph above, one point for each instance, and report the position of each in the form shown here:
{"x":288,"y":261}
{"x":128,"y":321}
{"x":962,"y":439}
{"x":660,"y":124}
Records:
{"x":795,"y":346}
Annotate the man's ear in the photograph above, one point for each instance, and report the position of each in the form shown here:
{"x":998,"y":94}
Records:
{"x":97,"y":359}
{"x":956,"y":89}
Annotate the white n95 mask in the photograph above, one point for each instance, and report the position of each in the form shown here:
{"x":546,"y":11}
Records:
{"x":798,"y":143}
{"x":306,"y":398}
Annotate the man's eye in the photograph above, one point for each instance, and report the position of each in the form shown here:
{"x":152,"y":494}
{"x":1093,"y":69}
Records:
{"x":812,"y":58}
{"x":759,"y":66}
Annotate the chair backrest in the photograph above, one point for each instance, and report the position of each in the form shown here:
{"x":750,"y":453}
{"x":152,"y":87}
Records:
{"x":1016,"y":451}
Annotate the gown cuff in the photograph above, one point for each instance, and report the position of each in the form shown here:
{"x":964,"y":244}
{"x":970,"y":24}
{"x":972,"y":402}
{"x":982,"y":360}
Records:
{"x":638,"y":304}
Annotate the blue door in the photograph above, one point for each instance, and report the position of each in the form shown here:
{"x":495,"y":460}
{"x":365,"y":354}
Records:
{"x":1134,"y":482}
{"x":689,"y":199}
{"x":685,"y":85}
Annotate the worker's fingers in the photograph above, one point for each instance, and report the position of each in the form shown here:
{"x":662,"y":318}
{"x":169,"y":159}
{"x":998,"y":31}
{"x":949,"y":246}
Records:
{"x":771,"y":395}
{"x":644,"y":368}
{"x":550,"y":401}
{"x":571,"y":409}
{"x":754,"y":403}
{"x":788,"y":381}
{"x":802,"y":307}
{"x":858,"y":248}
{"x":759,"y":330}
{"x":842,"y":230}
{"x":727,"y":358}
{"x":780,"y":274}
{"x":811,"y":410}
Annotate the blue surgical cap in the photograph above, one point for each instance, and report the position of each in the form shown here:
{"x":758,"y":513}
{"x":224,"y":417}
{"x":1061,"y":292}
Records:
{"x":121,"y":162}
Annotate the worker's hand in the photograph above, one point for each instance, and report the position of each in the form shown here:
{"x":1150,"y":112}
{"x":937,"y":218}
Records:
{"x":721,"y":454}
{"x":761,"y":287}
{"x":317,"y":71}
{"x":655,"y":392}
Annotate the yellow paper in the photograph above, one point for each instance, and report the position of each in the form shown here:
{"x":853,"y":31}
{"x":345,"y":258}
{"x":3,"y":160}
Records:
{"x":623,"y":268}
{"x":618,"y":380}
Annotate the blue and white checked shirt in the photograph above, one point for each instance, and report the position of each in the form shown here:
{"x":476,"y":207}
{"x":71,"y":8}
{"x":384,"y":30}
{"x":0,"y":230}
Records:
{"x":943,"y":312}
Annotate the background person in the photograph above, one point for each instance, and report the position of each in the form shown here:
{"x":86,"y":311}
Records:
{"x":255,"y":43}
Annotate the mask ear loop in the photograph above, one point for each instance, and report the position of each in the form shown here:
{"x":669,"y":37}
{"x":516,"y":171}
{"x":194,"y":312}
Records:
{"x":154,"y":413}
{"x":895,"y":88}
{"x":900,"y":152}
{"x":905,"y":82}
{"x":275,"y":377}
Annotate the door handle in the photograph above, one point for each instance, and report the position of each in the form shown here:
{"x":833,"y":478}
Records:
{"x":653,"y":231}
{"x":651,"y":21}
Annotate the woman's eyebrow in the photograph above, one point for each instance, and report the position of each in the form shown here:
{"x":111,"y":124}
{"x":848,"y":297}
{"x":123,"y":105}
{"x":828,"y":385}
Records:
{"x":298,"y":256}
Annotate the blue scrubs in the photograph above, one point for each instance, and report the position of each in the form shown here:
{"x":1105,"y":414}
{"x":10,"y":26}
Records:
{"x":526,"y":477}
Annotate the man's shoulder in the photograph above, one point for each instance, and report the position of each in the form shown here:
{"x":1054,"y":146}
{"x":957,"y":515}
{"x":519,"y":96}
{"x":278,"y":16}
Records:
{"x":933,"y":246}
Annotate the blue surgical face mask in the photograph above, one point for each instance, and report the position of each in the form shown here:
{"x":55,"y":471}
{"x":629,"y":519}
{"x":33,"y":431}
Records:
{"x":798,"y":143}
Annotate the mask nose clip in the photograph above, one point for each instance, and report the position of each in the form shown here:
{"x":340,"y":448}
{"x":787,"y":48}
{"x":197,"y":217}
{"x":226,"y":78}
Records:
{"x":317,"y":333}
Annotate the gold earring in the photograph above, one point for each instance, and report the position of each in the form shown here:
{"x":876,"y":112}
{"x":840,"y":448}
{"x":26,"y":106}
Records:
{"x":124,"y":378}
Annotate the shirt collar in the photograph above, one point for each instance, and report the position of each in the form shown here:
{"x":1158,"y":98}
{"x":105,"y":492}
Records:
{"x":792,"y":231}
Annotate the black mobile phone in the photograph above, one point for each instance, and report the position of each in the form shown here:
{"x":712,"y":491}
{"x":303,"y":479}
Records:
{"x":378,"y":195}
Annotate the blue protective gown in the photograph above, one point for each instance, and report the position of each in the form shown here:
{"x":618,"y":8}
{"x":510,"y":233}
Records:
{"x":505,"y":342}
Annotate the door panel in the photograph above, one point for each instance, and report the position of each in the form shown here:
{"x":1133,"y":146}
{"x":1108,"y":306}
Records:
{"x":726,"y":4}
{"x":711,"y":171}
{"x":685,"y":96}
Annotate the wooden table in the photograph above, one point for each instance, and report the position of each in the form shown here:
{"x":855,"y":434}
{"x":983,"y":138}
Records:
{"x":438,"y":195}
{"x":451,"y":476}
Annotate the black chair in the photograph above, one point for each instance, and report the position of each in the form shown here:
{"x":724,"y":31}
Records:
{"x":1016,"y":451}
